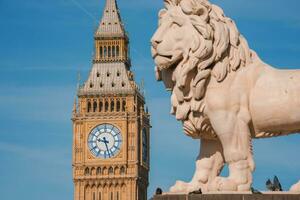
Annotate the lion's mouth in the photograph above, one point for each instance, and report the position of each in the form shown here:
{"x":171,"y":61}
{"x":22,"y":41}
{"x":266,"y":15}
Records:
{"x":167,"y":61}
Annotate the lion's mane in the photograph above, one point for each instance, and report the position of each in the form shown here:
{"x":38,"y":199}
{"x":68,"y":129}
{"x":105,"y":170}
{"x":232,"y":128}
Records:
{"x":221,"y":49}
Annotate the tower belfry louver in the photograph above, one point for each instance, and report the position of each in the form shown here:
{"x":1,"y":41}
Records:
{"x":111,"y":40}
{"x":111,"y":63}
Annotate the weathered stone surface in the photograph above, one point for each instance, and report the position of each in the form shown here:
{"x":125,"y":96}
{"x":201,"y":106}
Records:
{"x":229,"y":197}
{"x":222,"y":91}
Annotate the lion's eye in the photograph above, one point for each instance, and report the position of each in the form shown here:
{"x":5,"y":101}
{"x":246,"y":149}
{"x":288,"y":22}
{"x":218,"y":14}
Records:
{"x":177,"y":20}
{"x":176,"y":25}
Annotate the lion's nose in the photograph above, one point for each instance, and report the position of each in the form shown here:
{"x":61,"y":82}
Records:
{"x":155,"y":43}
{"x":156,"y":39}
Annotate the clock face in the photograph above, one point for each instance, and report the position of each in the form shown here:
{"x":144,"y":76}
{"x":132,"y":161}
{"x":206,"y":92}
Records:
{"x":105,"y":141}
{"x":145,"y":146}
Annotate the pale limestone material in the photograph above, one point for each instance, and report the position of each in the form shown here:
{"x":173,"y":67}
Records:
{"x":221,"y":91}
{"x":295,"y":187}
{"x":111,"y":125}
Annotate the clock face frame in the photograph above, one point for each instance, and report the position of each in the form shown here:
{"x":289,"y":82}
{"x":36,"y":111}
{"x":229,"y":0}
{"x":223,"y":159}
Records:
{"x":144,"y":146}
{"x":105,"y":141}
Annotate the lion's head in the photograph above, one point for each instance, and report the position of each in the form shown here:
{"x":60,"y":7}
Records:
{"x":195,"y":40}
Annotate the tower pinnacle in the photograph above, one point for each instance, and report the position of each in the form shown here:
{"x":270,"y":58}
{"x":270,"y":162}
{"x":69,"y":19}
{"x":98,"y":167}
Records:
{"x":110,"y":73}
{"x":111,"y":41}
{"x":111,"y":24}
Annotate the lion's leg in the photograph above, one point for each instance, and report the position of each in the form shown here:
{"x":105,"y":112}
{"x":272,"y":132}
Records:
{"x":234,"y":134}
{"x":208,"y":166}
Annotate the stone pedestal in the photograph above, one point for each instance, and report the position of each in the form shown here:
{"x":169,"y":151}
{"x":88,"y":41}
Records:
{"x":229,"y":197}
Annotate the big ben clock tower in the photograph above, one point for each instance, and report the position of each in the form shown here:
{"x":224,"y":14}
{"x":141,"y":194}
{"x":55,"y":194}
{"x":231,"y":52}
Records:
{"x":111,"y":126}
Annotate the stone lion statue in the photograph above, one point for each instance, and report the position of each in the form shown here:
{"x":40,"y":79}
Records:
{"x":221,"y":91}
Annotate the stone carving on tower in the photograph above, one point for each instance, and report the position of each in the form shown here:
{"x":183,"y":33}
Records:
{"x":222,"y":92}
{"x":111,"y":126}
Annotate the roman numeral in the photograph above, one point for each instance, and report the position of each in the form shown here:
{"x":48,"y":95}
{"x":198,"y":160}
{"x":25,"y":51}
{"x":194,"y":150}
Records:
{"x":98,"y":153}
{"x":95,"y":147}
{"x":112,"y":153}
{"x":107,"y":153}
{"x":116,"y":147}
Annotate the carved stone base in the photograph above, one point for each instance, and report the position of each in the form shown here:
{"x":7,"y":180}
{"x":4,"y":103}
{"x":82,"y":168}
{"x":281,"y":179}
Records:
{"x":228,"y":197}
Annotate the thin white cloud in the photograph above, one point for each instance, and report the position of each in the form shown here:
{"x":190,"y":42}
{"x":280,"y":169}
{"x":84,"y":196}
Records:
{"x":53,"y":157}
{"x":48,"y":104}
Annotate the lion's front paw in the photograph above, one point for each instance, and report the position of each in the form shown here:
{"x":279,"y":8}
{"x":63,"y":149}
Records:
{"x":183,"y":187}
{"x":223,"y":184}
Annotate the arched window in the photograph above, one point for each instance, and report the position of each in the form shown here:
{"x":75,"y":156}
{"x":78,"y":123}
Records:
{"x":101,"y":52}
{"x":124,"y":106}
{"x":118,"y":106}
{"x":109,"y":51}
{"x":100,"y":106}
{"x":87,"y":171}
{"x":106,"y":106}
{"x":122,"y":171}
{"x":110,"y":171}
{"x":112,"y":106}
{"x":113,"y":51}
{"x":89,"y":107}
{"x":98,"y":172}
{"x":105,"y":51}
{"x":95,"y":106}
{"x":118,"y":51}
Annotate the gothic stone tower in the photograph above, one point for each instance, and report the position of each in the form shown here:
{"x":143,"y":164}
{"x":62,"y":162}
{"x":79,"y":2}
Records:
{"x":111,"y":127}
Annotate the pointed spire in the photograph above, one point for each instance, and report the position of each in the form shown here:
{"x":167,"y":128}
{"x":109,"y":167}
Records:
{"x":78,"y":80}
{"x":111,"y":24}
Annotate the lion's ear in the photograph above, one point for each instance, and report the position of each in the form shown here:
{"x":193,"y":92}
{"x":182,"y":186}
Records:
{"x":169,"y":3}
{"x":161,"y":13}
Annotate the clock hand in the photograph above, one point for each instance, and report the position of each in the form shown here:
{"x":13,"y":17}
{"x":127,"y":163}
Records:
{"x":106,"y":142}
{"x":99,"y":140}
{"x":107,"y":149}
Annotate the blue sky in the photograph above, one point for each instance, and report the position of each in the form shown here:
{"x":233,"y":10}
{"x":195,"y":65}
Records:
{"x":44,"y":44}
